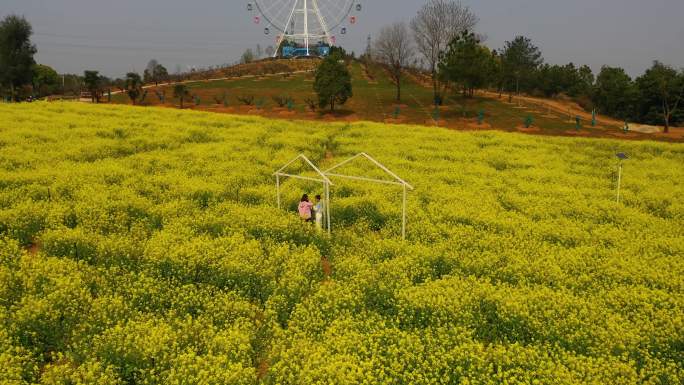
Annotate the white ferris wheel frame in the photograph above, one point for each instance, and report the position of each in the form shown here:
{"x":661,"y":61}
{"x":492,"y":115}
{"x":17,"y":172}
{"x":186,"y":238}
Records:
{"x":306,"y":36}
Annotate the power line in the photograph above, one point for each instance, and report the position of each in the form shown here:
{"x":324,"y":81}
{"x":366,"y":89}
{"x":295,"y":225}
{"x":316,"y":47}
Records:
{"x":154,"y":48}
{"x":172,"y":41}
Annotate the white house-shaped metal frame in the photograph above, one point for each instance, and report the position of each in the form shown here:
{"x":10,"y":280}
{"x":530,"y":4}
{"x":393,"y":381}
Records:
{"x":329,"y":173}
{"x":397,"y":181}
{"x":323,"y":179}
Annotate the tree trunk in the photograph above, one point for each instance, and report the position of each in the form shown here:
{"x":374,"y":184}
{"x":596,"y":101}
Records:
{"x":435,"y":90}
{"x":667,"y":113}
{"x":181,"y":103}
{"x":517,"y":86}
{"x":398,"y":80}
{"x":11,"y":92}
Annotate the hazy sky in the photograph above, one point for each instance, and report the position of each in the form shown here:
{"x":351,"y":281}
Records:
{"x":116,"y":36}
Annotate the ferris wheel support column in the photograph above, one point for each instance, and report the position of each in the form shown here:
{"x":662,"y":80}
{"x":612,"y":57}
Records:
{"x":326,"y":31}
{"x":281,"y":39}
{"x":306,"y":27}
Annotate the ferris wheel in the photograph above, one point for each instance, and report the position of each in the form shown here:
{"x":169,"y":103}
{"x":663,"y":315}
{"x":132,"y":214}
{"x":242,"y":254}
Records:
{"x":305,"y":23}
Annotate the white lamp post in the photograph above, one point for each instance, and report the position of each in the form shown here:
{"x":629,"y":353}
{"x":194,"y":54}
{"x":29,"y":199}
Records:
{"x":621,"y":157}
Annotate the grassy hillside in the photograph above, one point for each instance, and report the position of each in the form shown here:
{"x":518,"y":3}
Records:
{"x":144,"y":246}
{"x":375,"y":100}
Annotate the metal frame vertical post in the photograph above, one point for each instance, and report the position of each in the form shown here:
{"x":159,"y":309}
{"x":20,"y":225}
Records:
{"x":327,"y":206}
{"x":278,"y":189}
{"x":403,"y":216}
{"x":619,"y":181}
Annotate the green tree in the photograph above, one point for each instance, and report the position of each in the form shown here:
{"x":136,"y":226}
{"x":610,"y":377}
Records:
{"x":573,"y":81}
{"x":549,"y":80}
{"x":93,"y":83}
{"x":584,"y":82}
{"x":467,"y":63}
{"x":333,"y":82}
{"x":661,"y":91}
{"x":181,"y":92}
{"x":46,"y":81}
{"x":16,"y":53}
{"x":520,"y":61}
{"x":161,"y":74}
{"x":614,"y":93}
{"x":133,"y":86}
{"x":155,"y":72}
{"x":498,"y":78}
{"x":339,"y":51}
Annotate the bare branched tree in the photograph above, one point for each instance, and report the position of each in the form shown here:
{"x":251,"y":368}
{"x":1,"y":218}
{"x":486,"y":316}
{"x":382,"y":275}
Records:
{"x":435,"y":26}
{"x":394,"y":48}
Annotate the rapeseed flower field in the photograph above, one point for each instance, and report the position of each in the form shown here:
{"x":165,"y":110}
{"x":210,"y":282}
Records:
{"x":144,"y":246}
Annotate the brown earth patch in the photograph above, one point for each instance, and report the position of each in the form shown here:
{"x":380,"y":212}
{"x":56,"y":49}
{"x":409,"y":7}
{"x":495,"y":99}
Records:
{"x":395,"y":121}
{"x":577,"y":133}
{"x":437,"y":123}
{"x":34,"y":248}
{"x":262,"y":369}
{"x":327,"y":267}
{"x":477,"y":126}
{"x":531,"y":129}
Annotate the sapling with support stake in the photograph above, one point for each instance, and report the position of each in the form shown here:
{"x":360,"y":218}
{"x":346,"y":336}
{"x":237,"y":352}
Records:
{"x":529,"y":120}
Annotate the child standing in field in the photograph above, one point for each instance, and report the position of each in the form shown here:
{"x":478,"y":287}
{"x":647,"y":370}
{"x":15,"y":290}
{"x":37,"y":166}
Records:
{"x":318,"y":209}
{"x":305,"y":209}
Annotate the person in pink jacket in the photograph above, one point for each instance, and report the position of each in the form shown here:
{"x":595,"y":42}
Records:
{"x":305,"y":209}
